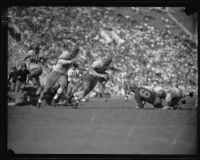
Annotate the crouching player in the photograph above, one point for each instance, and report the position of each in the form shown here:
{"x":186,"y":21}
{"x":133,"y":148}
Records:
{"x":97,"y":73}
{"x":59,"y":74}
{"x":150,"y":95}
{"x":174,"y":96}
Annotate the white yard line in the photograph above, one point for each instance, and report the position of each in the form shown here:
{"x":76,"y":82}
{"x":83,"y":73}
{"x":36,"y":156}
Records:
{"x":177,"y":136}
{"x":91,"y":123}
{"x":130,"y":133}
{"x":133,"y":127}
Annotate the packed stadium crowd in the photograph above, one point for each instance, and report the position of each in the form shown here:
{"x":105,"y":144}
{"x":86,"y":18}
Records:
{"x":151,"y":55}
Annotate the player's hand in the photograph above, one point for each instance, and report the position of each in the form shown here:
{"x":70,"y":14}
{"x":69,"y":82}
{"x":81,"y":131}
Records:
{"x":75,"y":60}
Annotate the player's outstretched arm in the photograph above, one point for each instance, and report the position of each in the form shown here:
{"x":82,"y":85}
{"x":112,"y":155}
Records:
{"x":63,"y":61}
{"x":93,"y":72}
{"x":115,"y":69}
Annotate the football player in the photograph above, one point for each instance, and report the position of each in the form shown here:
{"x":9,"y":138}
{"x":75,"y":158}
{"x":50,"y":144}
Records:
{"x":59,"y":74}
{"x":74,"y":81}
{"x":97,"y":73}
{"x":150,"y":95}
{"x":35,"y":60}
{"x":174,"y":96}
{"x":126,"y":83}
{"x":13,"y":78}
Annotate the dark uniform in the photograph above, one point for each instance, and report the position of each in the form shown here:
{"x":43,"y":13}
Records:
{"x":143,"y":95}
{"x":174,"y":95}
{"x":13,"y":78}
{"x":21,"y":78}
{"x":35,"y":66}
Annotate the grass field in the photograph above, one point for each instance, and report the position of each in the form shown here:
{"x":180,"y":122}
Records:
{"x":98,"y":127}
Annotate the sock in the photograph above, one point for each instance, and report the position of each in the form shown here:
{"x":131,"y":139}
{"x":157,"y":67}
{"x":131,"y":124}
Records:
{"x":55,"y":97}
{"x":76,"y":99}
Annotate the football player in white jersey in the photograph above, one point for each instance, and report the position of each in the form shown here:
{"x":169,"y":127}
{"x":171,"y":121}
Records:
{"x":59,"y":74}
{"x":96,"y":73}
{"x":176,"y":95}
{"x":74,"y":81}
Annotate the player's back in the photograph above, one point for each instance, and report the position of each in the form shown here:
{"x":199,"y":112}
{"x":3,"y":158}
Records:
{"x":148,"y":87}
{"x":73,"y":74}
{"x":146,"y":94}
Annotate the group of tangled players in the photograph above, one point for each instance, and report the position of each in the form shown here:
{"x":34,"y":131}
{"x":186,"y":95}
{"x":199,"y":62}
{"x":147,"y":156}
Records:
{"x":66,"y":76}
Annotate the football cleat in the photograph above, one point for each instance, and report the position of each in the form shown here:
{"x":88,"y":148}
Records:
{"x":137,"y":107}
{"x":183,"y":101}
{"x":54,"y":102}
{"x":166,"y":107}
{"x":179,"y":107}
{"x":39,"y":104}
{"x":75,"y":105}
{"x":64,"y":103}
{"x":85,"y":100}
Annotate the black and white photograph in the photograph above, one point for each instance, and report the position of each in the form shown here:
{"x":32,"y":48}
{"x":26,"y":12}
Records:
{"x":102,"y":80}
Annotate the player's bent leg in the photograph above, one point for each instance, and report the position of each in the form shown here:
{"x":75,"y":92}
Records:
{"x":74,"y":90}
{"x":138,"y":101}
{"x":35,"y":73}
{"x":88,"y":86}
{"x":126,"y":92}
{"x":168,"y":100}
{"x":63,"y":83}
{"x":52,"y":78}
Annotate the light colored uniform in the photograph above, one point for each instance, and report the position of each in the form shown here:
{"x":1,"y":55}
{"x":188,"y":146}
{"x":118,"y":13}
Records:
{"x":74,"y":81}
{"x":73,"y":75}
{"x":90,"y":79}
{"x":59,"y":73}
{"x":174,"y":95}
{"x":62,"y":68}
{"x":98,"y":66}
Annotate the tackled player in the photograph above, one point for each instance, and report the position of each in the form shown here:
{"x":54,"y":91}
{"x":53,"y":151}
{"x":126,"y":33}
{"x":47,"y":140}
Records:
{"x":151,"y":95}
{"x":174,"y":96}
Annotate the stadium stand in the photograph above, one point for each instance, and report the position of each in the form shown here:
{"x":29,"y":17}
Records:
{"x":155,"y":46}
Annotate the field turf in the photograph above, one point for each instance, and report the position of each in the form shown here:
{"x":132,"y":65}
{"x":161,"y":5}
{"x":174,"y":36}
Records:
{"x":99,"y":127}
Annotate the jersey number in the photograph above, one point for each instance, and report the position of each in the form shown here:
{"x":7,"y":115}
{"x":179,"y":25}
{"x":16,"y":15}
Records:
{"x":144,"y":93}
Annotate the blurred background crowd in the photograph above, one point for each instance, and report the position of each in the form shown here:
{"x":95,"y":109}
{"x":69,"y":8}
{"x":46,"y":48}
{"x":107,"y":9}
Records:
{"x":142,"y":40}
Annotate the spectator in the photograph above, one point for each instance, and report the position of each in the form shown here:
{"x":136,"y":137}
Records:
{"x":13,"y":78}
{"x":146,"y":49}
